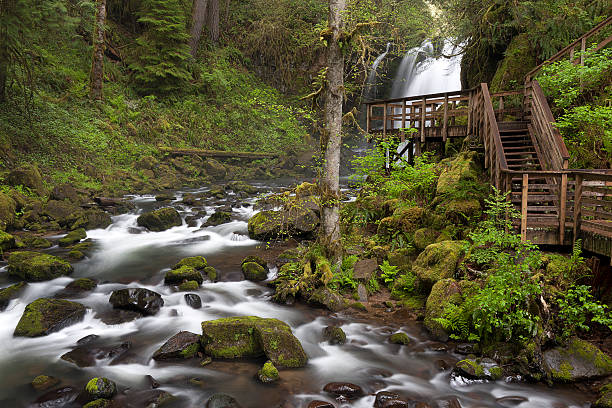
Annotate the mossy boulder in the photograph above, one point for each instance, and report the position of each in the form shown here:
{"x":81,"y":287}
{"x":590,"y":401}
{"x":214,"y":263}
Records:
{"x":578,"y":361}
{"x":438,"y":261}
{"x":424,"y":237}
{"x":327,"y":298}
{"x":100,"y":387}
{"x":268,"y":373}
{"x":44,"y":316}
{"x":182,"y":345}
{"x":254,"y":272}
{"x":7,"y":211}
{"x":36,"y":266}
{"x":444,"y":293}
{"x":7,"y":241}
{"x":27,"y":176}
{"x":399,"y":338}
{"x":160,"y":220}
{"x":181,"y":274}
{"x":73,"y":237}
{"x":250,"y":336}
{"x":12,"y":292}
{"x":463,"y":168}
{"x":196,"y":262}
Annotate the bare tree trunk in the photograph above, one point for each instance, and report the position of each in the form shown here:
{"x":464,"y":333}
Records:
{"x":334,"y":96}
{"x":198,"y":18}
{"x":213,"y":20}
{"x":97,"y":64}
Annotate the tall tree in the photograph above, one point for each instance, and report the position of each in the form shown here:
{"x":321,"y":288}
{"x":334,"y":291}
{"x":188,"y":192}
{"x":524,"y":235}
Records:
{"x":334,"y":97}
{"x":213,"y":20}
{"x":97,"y":64}
{"x":198,"y":19}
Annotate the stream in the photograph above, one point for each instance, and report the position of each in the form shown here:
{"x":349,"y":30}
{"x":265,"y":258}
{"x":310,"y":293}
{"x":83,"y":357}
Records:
{"x":125,"y":255}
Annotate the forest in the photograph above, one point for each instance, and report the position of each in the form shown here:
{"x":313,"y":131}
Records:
{"x":306,"y":203}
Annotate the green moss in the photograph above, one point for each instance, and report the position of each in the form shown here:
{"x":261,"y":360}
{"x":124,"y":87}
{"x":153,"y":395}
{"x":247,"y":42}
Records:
{"x":196,"y":262}
{"x":181,"y":274}
{"x":73,"y":237}
{"x":189,"y":286}
{"x":399,"y":338}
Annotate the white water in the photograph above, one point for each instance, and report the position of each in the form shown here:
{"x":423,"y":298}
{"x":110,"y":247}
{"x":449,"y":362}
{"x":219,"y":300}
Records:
{"x":126,"y":256}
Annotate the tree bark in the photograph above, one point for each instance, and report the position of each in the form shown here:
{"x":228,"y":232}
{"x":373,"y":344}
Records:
{"x":334,"y":97}
{"x":198,"y":18}
{"x":97,"y":64}
{"x":213,"y":20}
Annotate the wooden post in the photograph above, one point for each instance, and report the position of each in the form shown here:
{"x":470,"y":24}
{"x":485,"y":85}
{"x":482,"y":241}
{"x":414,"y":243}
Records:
{"x":562,"y":208}
{"x":444,"y":127}
{"x":423,"y":110}
{"x":577,"y":207}
{"x":524,"y":203}
{"x":385,"y":123}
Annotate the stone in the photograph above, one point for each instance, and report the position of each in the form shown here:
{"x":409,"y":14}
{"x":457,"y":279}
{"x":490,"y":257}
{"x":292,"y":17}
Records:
{"x":100,"y":387}
{"x":182,"y":274}
{"x":222,"y":401}
{"x":27,"y":176}
{"x":364,"y":269}
{"x":73,"y":237}
{"x":7,"y":241}
{"x":334,"y":335}
{"x":44,"y":316}
{"x":268,"y":373}
{"x":325,"y":297}
{"x":218,"y":218}
{"x":346,"y":390}
{"x":9,"y":293}
{"x":399,"y":338}
{"x":140,"y":300}
{"x":254,"y":272}
{"x":160,"y":220}
{"x":182,"y":345}
{"x":250,"y":336}
{"x":438,"y":261}
{"x":578,"y":361}
{"x":36,"y":266}
{"x":44,"y":382}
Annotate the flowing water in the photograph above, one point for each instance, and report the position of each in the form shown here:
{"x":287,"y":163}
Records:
{"x":126,"y":256}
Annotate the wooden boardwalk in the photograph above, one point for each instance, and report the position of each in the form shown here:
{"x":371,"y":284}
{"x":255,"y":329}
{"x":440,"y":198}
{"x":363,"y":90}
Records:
{"x":524,"y":153}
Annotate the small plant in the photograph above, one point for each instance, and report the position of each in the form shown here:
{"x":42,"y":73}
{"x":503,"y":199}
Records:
{"x":577,"y":306}
{"x":389,"y":272}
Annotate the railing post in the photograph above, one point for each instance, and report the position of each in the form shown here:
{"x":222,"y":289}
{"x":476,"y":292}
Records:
{"x":562,"y":208}
{"x":577,"y":207}
{"x":423,"y":110}
{"x":524,"y":203}
{"x":444,"y":127}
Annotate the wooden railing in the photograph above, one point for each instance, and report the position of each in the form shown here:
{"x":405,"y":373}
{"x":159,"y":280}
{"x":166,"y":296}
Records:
{"x":570,"y":50}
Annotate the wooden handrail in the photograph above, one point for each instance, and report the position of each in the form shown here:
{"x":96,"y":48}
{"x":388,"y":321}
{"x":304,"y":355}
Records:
{"x":569,"y":49}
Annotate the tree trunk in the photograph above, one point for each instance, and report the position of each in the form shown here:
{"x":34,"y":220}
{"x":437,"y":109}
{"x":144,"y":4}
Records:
{"x":213,"y":20}
{"x":334,"y":96}
{"x":198,"y":18}
{"x":97,"y":65}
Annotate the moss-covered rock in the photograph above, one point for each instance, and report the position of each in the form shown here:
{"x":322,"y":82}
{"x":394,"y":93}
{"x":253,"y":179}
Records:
{"x":44,"y":382}
{"x":325,"y":297}
{"x":44,"y":316}
{"x":182,"y":345}
{"x":7,"y":241}
{"x":181,"y":274}
{"x":196,"y":262}
{"x":36,"y":266}
{"x":27,"y":176}
{"x":268,"y":373}
{"x":73,"y":237}
{"x":100,"y":387}
{"x":444,"y":293}
{"x":334,"y":335}
{"x":399,"y":338}
{"x":578,"y":361}
{"x":160,"y":220}
{"x":254,"y":272}
{"x":424,"y":237}
{"x":438,"y":261}
{"x":9,"y":293}
{"x":249,"y":336}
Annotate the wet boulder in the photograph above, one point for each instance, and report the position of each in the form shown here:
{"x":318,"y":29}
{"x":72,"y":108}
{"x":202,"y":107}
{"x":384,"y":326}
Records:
{"x":325,"y":297}
{"x":73,"y":237}
{"x":140,"y":300}
{"x":438,"y":261}
{"x":9,"y":293}
{"x":182,"y":274}
{"x":254,"y":272}
{"x":345,"y":390}
{"x":268,"y":373}
{"x":36,"y":266}
{"x":578,"y":361}
{"x":193,"y":300}
{"x":7,"y":241}
{"x":44,"y":316}
{"x":182,"y":345}
{"x":218,"y":218}
{"x":160,"y":220}
{"x":100,"y":387}
{"x":250,"y":336}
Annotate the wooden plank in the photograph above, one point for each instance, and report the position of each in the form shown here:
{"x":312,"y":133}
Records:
{"x":524,"y":207}
{"x":217,"y":153}
{"x":562,"y":206}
